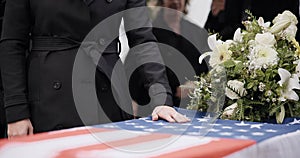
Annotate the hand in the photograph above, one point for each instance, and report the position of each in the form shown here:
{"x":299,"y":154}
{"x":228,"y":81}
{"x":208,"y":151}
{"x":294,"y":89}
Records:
{"x":19,"y":128}
{"x":217,"y":6}
{"x":169,"y":114}
{"x":183,"y":91}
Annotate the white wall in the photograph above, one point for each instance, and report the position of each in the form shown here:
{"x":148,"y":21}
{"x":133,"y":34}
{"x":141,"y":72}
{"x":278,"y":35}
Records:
{"x":198,"y":11}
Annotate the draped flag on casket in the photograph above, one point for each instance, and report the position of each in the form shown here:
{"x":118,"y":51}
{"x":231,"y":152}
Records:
{"x":146,"y":138}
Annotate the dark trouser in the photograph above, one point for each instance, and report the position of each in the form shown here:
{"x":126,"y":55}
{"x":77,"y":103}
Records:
{"x":3,"y":133}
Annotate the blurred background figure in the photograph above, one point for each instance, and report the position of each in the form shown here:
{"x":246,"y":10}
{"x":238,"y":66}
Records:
{"x":225,"y":17}
{"x":2,"y":111}
{"x":184,"y":36}
{"x":181,"y":43}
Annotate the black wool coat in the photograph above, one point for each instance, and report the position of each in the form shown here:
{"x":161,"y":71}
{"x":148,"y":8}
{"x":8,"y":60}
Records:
{"x":39,"y":86}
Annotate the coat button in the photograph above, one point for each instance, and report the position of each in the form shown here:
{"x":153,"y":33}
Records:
{"x":57,"y":85}
{"x":104,"y":88}
{"x":102,"y":41}
{"x":108,"y":1}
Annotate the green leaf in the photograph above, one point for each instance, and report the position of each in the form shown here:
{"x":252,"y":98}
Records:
{"x":280,"y":115}
{"x":229,"y":64}
{"x":250,"y":85}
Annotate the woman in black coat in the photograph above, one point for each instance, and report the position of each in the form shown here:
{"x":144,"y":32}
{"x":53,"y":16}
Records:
{"x":2,"y":111}
{"x":41,"y":92}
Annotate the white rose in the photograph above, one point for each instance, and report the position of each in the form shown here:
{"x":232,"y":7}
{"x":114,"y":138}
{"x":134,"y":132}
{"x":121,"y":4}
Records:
{"x":283,"y":21}
{"x":265,"y":39}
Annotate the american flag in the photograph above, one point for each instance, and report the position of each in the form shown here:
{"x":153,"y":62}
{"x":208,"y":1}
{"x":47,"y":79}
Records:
{"x":204,"y":136}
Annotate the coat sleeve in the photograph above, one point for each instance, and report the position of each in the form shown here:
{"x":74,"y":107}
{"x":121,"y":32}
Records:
{"x":146,"y":54}
{"x":14,"y":43}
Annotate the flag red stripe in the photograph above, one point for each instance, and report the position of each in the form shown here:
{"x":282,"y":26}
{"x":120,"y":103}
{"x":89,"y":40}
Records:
{"x":218,"y":148}
{"x":71,"y":153}
{"x":52,"y":135}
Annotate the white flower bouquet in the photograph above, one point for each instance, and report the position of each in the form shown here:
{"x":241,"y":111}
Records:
{"x":255,"y":76}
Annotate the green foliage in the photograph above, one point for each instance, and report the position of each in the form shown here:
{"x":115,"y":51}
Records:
{"x":263,"y":95}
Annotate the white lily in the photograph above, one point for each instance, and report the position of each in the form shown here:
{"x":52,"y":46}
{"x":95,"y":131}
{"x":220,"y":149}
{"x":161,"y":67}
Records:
{"x":288,"y":82}
{"x":228,"y":111}
{"x":298,"y":69}
{"x":261,"y":22}
{"x":219,"y":53}
{"x":290,"y":32}
{"x":282,"y":21}
{"x":238,"y":36}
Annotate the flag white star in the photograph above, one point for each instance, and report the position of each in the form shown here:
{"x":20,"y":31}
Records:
{"x":258,"y":134}
{"x":225,"y":134}
{"x":193,"y":133}
{"x":256,"y":126}
{"x":180,"y":129}
{"x":295,"y":122}
{"x":150,"y":130}
{"x":186,"y":124}
{"x":199,"y":127}
{"x":227,"y":127}
{"x":213,"y":130}
{"x":139,"y":126}
{"x":109,"y":126}
{"x":130,"y":123}
{"x":202,"y":119}
{"x":242,"y":124}
{"x":242,"y":130}
{"x":160,"y":124}
{"x":144,"y":118}
{"x":271,"y":131}
{"x":169,"y":126}
{"x":242,"y":137}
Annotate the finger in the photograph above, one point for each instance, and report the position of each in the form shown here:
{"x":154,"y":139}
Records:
{"x":10,"y":133}
{"x":168,"y":118}
{"x":30,"y":131}
{"x":180,"y":118}
{"x":154,"y":116}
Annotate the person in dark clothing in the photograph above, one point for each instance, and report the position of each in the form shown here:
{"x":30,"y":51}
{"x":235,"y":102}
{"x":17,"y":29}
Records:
{"x":269,"y":9}
{"x":40,"y":97}
{"x":2,"y":111}
{"x":225,"y":17}
{"x":190,"y":41}
{"x":181,"y":44}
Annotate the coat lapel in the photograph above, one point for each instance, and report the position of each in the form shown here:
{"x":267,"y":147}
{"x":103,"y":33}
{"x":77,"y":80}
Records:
{"x":88,"y":2}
